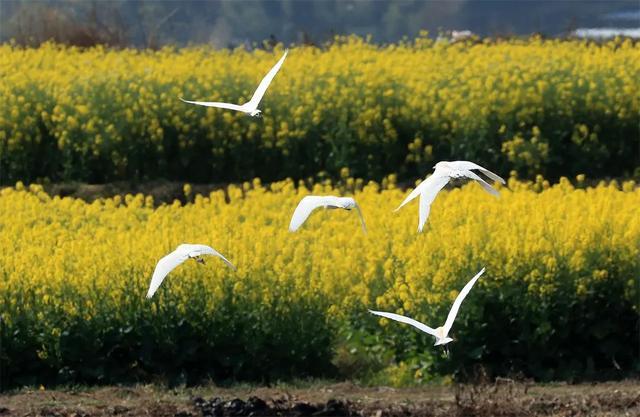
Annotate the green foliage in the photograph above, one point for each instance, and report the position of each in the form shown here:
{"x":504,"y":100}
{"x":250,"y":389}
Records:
{"x":241,"y":340}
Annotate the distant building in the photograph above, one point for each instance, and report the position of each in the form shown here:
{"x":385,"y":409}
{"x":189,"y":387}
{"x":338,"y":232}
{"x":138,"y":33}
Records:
{"x":606,"y":33}
{"x":459,"y":35}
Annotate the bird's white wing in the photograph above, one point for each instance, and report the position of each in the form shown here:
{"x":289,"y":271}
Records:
{"x":364,"y":226}
{"x":187,"y":248}
{"x":163,"y":267}
{"x":427,"y":196}
{"x":488,"y":188}
{"x":407,"y":320}
{"x":471,"y":165}
{"x":197,"y":250}
{"x":264,"y":84}
{"x":430,"y":184}
{"x":305,"y":207}
{"x":217,"y":104}
{"x":456,"y":304}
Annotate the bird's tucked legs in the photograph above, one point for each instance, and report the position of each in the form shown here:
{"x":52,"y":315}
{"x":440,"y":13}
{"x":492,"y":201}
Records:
{"x":199,"y":260}
{"x":446,"y":351}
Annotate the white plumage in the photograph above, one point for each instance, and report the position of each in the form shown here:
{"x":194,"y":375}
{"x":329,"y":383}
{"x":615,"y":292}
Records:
{"x":250,"y":107}
{"x":443,"y":172}
{"x":441,"y":333}
{"x":312,"y":202}
{"x":178,"y":256}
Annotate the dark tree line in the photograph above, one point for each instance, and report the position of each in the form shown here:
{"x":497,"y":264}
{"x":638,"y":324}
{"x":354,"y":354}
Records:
{"x":152,"y":24}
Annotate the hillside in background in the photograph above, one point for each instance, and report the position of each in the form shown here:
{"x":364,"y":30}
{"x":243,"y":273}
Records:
{"x":154,"y":23}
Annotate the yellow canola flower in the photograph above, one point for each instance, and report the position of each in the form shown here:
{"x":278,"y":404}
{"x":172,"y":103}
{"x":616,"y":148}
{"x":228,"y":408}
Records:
{"x":518,"y":97}
{"x":62,"y":250}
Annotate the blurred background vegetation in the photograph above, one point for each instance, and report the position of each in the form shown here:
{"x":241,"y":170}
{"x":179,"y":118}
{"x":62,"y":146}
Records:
{"x":153,"y":24}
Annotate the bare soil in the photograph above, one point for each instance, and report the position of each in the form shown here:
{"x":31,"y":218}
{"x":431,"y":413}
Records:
{"x":162,"y":191}
{"x":503,"y":398}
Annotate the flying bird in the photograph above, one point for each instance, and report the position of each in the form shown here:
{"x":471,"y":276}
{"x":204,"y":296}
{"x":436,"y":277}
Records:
{"x":178,"y":256}
{"x":251,"y":107}
{"x":441,"y":333}
{"x":312,"y":202}
{"x":443,"y":172}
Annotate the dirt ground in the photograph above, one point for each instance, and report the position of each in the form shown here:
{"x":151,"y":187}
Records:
{"x":162,"y":191}
{"x":504,"y":398}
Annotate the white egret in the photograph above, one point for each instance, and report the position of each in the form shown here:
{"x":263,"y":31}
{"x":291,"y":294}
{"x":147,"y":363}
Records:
{"x":441,"y":333}
{"x":250,"y":107}
{"x":178,"y":256}
{"x":312,"y":202}
{"x":443,"y":172}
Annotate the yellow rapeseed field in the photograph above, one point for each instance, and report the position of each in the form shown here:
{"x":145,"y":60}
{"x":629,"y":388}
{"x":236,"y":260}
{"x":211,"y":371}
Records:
{"x":564,"y":107}
{"x":67,"y":243}
{"x":65,"y":259}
